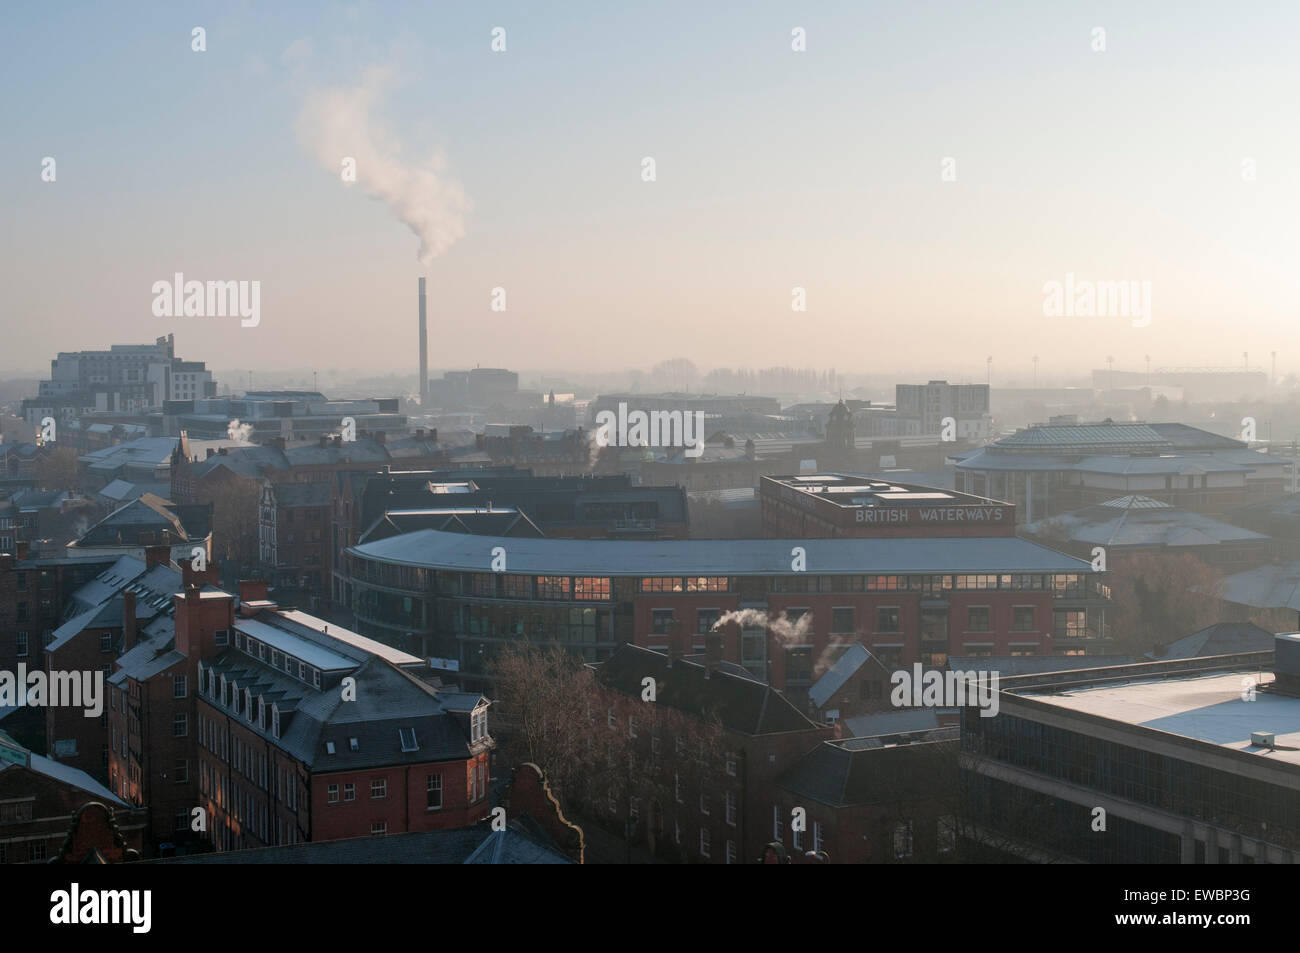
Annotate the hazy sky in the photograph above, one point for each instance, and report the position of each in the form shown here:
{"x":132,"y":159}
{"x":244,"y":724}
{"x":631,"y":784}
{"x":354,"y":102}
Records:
{"x":775,"y":169}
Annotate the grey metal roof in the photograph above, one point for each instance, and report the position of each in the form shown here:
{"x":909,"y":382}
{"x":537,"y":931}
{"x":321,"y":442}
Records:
{"x":1265,"y":587}
{"x":833,"y":678}
{"x":1139,"y":524}
{"x":719,"y":557}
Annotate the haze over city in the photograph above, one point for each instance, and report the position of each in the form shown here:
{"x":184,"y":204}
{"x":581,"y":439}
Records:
{"x":820,"y":171}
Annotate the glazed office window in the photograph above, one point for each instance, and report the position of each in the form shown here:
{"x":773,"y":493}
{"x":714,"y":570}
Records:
{"x":591,"y":588}
{"x":662,"y":584}
{"x":553,"y":587}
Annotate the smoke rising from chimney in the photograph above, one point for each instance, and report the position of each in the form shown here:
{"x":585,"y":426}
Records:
{"x":337,"y":122}
{"x":784,"y":629}
{"x":237,"y":431}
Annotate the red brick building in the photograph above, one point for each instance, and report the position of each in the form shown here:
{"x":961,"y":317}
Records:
{"x":309,"y":732}
{"x":700,"y":803}
{"x":294,"y":535}
{"x":880,"y":800}
{"x":38,"y":799}
{"x":833,"y":504}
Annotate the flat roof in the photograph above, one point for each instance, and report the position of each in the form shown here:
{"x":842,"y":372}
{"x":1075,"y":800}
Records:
{"x":1207,"y":708}
{"x":431,"y":549}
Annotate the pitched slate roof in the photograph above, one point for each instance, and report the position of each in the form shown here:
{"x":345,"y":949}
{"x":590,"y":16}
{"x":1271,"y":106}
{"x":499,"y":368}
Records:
{"x":844,"y":774}
{"x":835,"y":677}
{"x":742,"y":704}
{"x":1222,"y":638}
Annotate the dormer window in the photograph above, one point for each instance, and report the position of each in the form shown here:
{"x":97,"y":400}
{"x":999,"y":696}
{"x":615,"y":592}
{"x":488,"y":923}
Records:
{"x":261,"y":713}
{"x":315,"y":677}
{"x":275,"y":721}
{"x":478,"y":724}
{"x":248,"y":704}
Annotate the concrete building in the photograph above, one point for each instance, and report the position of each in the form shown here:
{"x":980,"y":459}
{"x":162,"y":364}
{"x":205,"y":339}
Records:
{"x":127,"y":378}
{"x":1192,"y":761}
{"x":922,"y":408}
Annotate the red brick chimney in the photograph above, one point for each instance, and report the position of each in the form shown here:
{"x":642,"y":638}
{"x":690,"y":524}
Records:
{"x":675,"y":642}
{"x":252,"y":590}
{"x":712,"y":653}
{"x":157,"y":556}
{"x":128,"y":620}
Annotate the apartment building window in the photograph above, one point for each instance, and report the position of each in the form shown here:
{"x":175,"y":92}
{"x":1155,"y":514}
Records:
{"x":903,"y":840}
{"x":379,"y":827}
{"x":349,"y":792}
{"x":817,"y":836}
{"x":1022,"y":618}
{"x":731,"y":764}
{"x":378,"y":788}
{"x":729,"y":801}
{"x":731,"y":851}
{"x":36,"y":851}
{"x":798,"y":839}
{"x":704,"y":802}
{"x":478,"y":724}
{"x":433,"y":793}
{"x":610,"y":720}
{"x":332,"y":794}
{"x":706,"y":619}
{"x":22,"y":644}
{"x":776,"y":822}
{"x":677,"y":787}
{"x":661,"y":620}
{"x":182,"y":773}
{"x":180,"y":725}
{"x":180,"y":686}
{"x":704,"y":842}
{"x":223,"y":637}
{"x":182,"y":820}
{"x":977,"y":619}
{"x":106,"y":641}
{"x":887,"y":619}
{"x":798,"y":665}
{"x":842,"y":621}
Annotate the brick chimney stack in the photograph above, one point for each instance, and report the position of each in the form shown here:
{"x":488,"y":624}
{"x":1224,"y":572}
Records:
{"x":674,"y":642}
{"x":128,"y":620}
{"x":157,"y":556}
{"x":712,"y":653}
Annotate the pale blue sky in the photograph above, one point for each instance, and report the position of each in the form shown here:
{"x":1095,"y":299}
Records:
{"x":775,"y":169}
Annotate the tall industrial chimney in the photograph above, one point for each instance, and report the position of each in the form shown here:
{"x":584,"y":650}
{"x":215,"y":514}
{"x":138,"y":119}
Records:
{"x":424,"y":352}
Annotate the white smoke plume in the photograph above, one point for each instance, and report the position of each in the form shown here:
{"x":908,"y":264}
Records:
{"x":785,"y":630}
{"x":238,"y":431}
{"x":337,"y":123}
